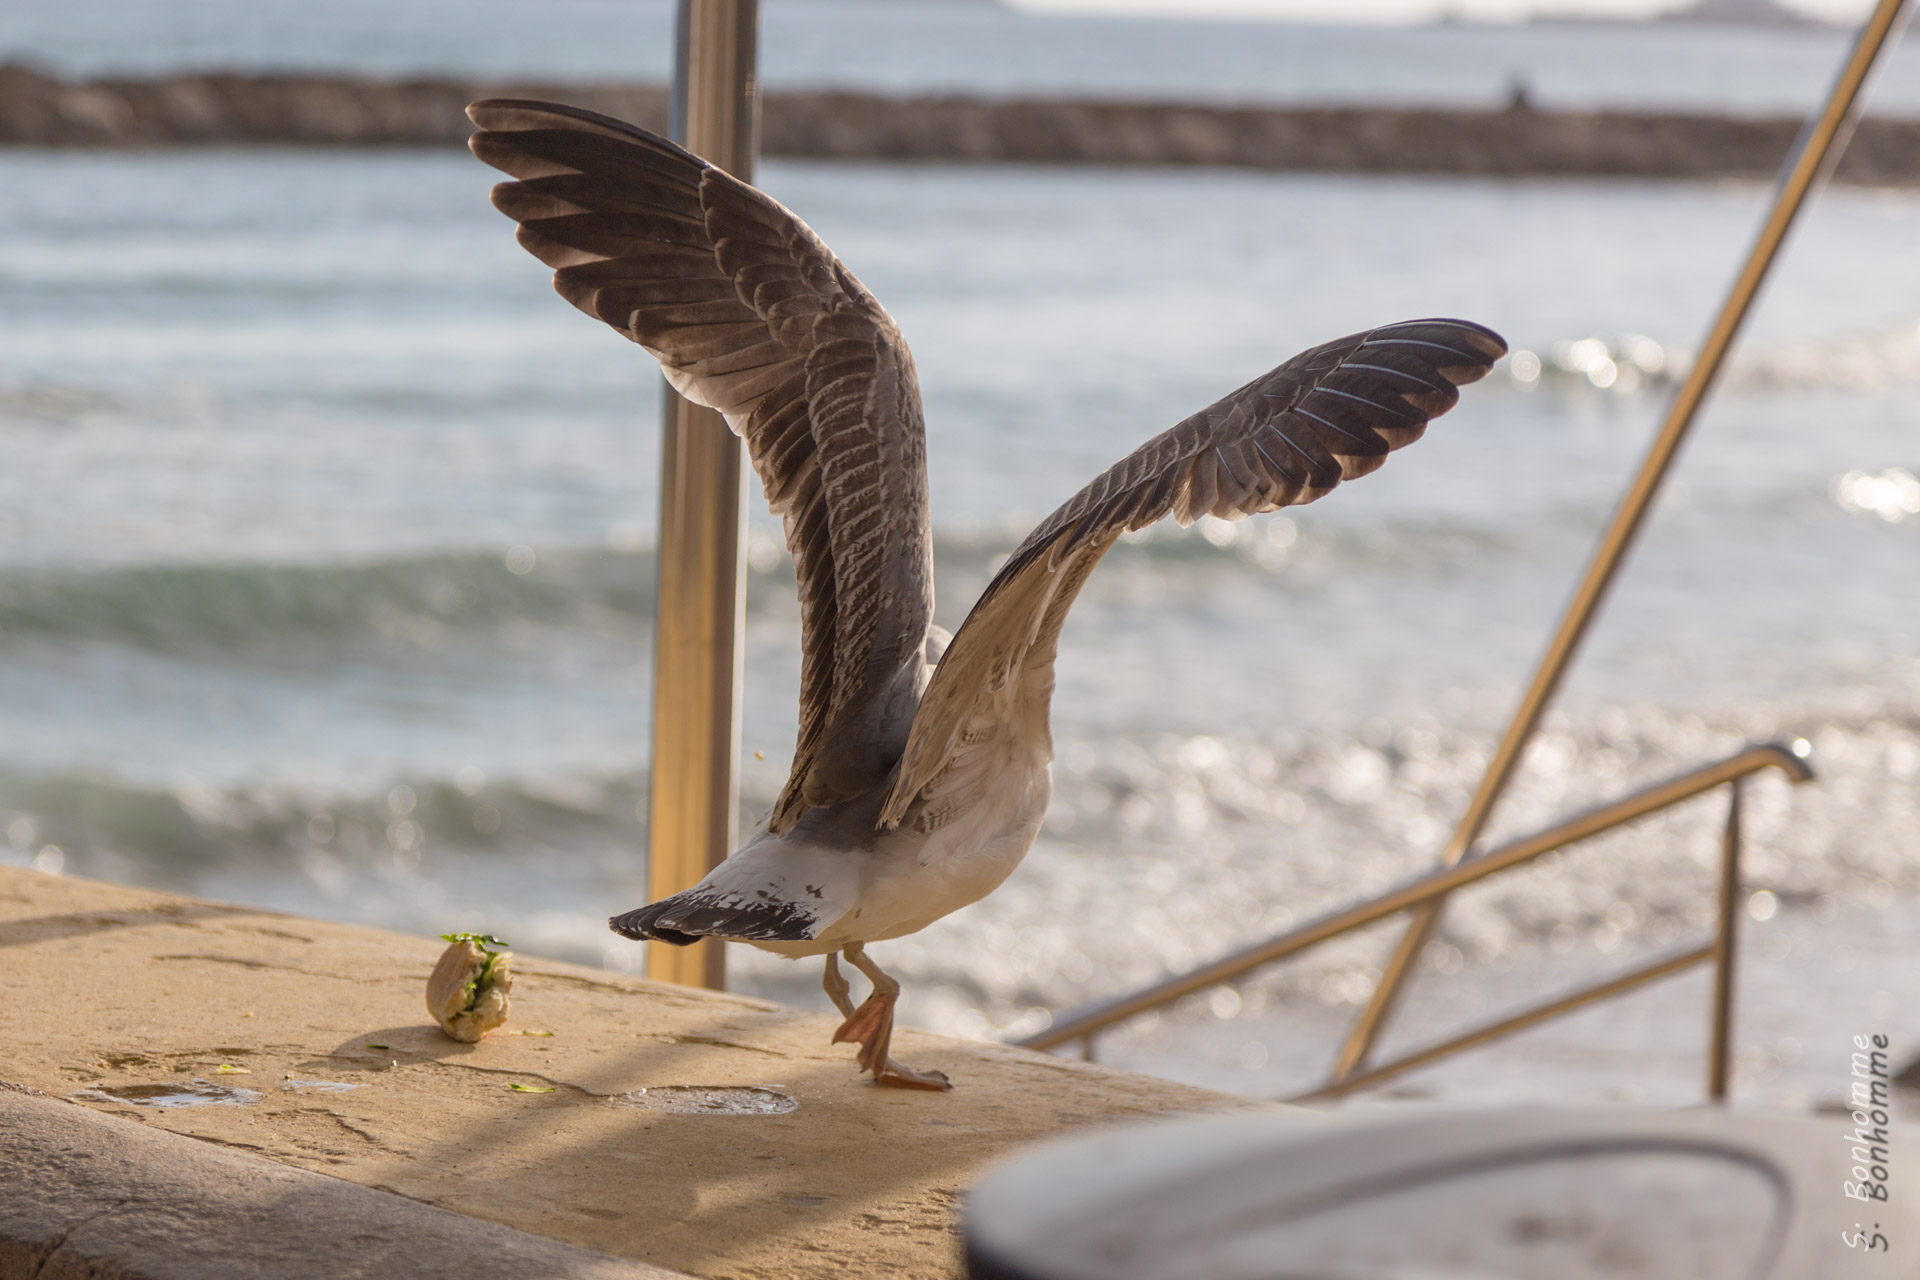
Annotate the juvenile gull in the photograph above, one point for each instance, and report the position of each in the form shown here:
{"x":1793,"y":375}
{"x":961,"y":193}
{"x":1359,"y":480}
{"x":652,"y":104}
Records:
{"x":920,"y":775}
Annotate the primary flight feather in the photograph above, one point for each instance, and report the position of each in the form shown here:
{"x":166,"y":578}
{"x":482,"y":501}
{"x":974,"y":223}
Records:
{"x":920,"y":773}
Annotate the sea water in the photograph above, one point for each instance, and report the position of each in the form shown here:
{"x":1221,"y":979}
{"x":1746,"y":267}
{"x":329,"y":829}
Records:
{"x":975,"y":46}
{"x":325,"y":581}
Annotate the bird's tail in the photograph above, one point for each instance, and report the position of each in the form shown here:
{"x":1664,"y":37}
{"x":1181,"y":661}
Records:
{"x":685,"y":918}
{"x":643,"y":923}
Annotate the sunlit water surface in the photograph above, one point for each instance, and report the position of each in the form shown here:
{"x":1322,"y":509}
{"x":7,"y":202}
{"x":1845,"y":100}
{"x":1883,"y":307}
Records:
{"x":325,"y":582}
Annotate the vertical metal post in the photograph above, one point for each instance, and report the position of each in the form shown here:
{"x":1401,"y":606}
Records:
{"x":698,"y":615}
{"x":1726,"y":953}
{"x":1820,"y":146}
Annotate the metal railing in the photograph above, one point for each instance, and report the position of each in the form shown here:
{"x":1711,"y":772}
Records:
{"x":1084,"y":1026}
{"x":1820,"y":146}
{"x":698,"y":651}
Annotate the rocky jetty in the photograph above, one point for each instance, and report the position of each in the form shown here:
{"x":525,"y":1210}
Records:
{"x":226,"y":109}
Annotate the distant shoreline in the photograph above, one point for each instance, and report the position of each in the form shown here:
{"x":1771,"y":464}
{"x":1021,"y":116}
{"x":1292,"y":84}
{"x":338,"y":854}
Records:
{"x":227,"y":109}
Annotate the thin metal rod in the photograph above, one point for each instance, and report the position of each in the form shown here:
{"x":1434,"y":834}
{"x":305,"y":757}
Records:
{"x":1434,"y":885}
{"x":1507,"y":1026}
{"x":699,"y":652}
{"x":1819,"y":148}
{"x":1726,"y":953}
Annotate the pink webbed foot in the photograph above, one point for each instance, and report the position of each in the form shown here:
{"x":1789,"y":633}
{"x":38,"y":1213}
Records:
{"x":871,"y":1027}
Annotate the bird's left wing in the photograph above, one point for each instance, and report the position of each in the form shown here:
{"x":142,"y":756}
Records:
{"x":750,"y":314}
{"x":1285,"y":438}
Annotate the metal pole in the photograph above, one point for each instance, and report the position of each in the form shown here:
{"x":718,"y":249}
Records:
{"x":1820,"y":146}
{"x":1725,"y":953}
{"x":698,"y":615}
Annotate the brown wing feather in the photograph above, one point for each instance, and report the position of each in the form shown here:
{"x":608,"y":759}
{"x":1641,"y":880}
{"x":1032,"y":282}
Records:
{"x":750,"y":314}
{"x":1287,"y":437}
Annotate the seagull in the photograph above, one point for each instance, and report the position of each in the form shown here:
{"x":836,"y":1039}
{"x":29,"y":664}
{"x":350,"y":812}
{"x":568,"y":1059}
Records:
{"x":921,"y":769}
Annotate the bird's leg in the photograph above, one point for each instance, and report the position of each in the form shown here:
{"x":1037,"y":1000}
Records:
{"x":871,"y":1025}
{"x":836,"y":986}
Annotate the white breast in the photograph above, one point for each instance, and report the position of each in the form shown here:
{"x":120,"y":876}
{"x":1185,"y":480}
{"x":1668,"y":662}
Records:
{"x":910,"y":878}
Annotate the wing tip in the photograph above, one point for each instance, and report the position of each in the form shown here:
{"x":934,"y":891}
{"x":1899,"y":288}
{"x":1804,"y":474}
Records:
{"x":524,"y":115}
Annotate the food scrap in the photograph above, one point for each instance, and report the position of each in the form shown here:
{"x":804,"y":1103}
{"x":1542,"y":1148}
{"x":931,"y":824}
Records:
{"x":467,"y":991}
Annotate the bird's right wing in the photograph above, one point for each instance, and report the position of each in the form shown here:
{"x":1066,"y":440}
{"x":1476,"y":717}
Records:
{"x":1285,"y":438}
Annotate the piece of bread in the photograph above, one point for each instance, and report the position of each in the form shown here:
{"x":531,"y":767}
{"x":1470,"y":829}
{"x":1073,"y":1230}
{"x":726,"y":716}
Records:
{"x":467,"y":991}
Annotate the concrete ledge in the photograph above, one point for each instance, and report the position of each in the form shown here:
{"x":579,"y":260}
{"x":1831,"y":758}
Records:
{"x":89,"y":1195}
{"x":590,"y":1133}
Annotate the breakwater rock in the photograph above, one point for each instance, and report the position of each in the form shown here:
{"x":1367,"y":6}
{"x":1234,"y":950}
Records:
{"x":230,"y":109}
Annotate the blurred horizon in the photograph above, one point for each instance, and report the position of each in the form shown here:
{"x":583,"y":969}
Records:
{"x":967,"y":46}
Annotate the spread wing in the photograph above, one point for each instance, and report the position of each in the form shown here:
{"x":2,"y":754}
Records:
{"x":750,"y":314}
{"x":1285,"y":438}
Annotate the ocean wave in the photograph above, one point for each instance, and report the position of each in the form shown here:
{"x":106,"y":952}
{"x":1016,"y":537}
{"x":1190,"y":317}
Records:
{"x":172,"y":606}
{"x":428,"y":599}
{"x":433,"y":598}
{"x":44,"y":403}
{"x":102,"y":825}
{"x":1158,"y":852}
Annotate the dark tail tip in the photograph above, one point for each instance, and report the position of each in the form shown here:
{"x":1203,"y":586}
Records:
{"x":638,"y":925}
